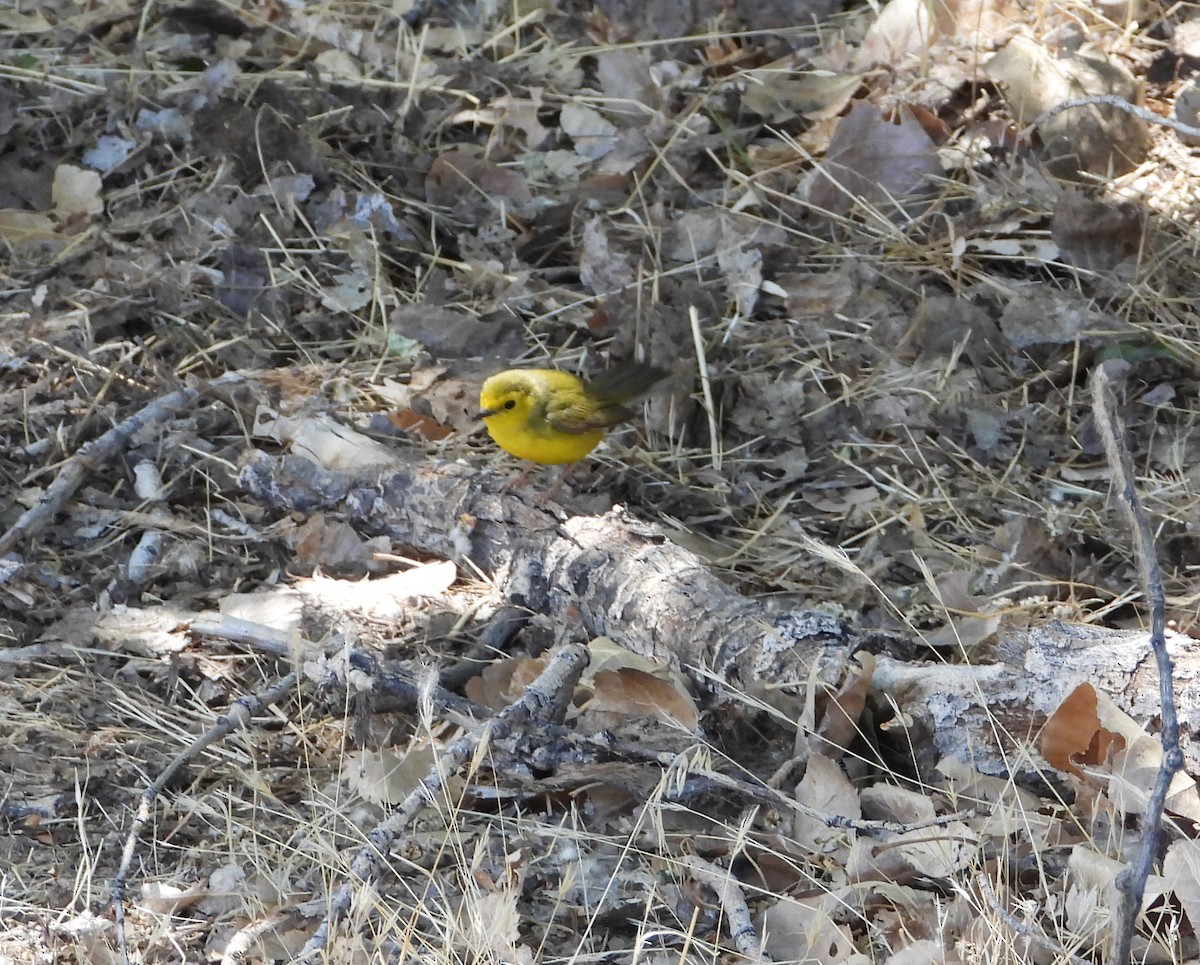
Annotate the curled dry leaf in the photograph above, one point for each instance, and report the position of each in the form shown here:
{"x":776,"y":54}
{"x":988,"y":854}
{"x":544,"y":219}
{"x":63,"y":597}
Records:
{"x":1089,"y":735}
{"x":1074,"y":733}
{"x":503,"y":682}
{"x":840,"y":724}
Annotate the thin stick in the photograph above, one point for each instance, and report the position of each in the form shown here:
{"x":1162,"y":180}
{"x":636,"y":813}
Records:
{"x":733,"y":903}
{"x":1015,"y":924}
{"x":1131,"y":883}
{"x":1112,"y":100}
{"x":238,"y":715}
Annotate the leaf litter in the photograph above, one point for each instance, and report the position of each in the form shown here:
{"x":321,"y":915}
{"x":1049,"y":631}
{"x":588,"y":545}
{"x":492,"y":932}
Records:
{"x":898,"y":289}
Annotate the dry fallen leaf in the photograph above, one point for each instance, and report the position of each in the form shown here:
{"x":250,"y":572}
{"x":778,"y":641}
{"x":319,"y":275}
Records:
{"x":1096,"y":139}
{"x":797,"y":930}
{"x":618,"y":694}
{"x":1097,"y":235}
{"x":826,"y":789}
{"x":873,"y":161}
{"x":1073,"y":733}
{"x":504,"y":681}
{"x":76,"y":191}
{"x":457,"y":180}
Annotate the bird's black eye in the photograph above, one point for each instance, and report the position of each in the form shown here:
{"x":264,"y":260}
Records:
{"x":510,"y":404}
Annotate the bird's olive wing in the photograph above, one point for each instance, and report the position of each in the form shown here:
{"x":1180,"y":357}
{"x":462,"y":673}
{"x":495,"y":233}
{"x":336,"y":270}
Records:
{"x":576,"y":413}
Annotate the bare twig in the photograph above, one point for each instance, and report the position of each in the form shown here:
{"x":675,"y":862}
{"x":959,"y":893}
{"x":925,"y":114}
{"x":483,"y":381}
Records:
{"x":238,"y":715}
{"x":1112,"y":100}
{"x":705,"y":780}
{"x":733,"y":903}
{"x":279,"y":643}
{"x":1131,"y":883}
{"x":546,"y":698}
{"x":98,"y":452}
{"x":237,"y":949}
{"x":1034,"y":934}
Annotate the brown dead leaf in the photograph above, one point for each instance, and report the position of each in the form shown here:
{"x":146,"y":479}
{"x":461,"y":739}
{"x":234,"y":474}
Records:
{"x":778,"y":92}
{"x":1181,"y":868}
{"x":887,"y":802}
{"x":874,"y":161}
{"x":503,"y":682}
{"x":817,"y":295}
{"x":625,"y":78}
{"x":942,"y":322}
{"x":458,"y":179}
{"x":1089,"y":731}
{"x":511,"y":111}
{"x":1134,"y":770}
{"x":592,"y":134}
{"x":843,"y":500}
{"x":826,"y":789}
{"x":1097,"y":235}
{"x":910,"y":28}
{"x":388,"y":775}
{"x":1092,"y":894}
{"x":329,"y":545}
{"x":27,"y":231}
{"x":968,"y":624}
{"x":602,"y":269}
{"x":839,"y":725}
{"x":804,"y":931}
{"x":937,"y":853}
{"x":1073,"y":732}
{"x":1054,"y":317}
{"x":624,"y":693}
{"x":903,"y":28}
{"x":422,"y":425}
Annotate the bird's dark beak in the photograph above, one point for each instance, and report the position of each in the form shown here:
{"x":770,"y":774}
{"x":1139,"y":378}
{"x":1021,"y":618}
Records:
{"x":484,"y":413}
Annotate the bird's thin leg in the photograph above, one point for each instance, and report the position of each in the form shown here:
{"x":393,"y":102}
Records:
{"x":516,"y":482}
{"x":557,"y":484}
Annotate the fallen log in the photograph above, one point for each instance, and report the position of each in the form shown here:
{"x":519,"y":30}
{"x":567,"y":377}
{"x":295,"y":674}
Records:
{"x":623,"y":578}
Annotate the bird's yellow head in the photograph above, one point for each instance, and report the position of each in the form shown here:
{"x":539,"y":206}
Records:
{"x":505,"y":399}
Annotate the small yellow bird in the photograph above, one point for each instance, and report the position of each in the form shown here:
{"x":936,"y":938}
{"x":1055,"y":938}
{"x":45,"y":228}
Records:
{"x":552,"y":417}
